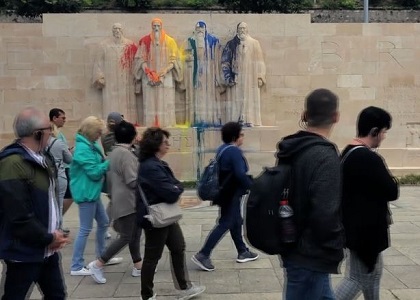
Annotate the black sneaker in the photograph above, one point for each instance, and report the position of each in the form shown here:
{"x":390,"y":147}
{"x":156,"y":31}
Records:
{"x":247,"y":256}
{"x":203,"y":262}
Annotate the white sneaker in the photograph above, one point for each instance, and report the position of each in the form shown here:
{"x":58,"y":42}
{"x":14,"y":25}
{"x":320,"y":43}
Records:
{"x":193,"y":291}
{"x":97,"y":273}
{"x":136,"y":272}
{"x":152,"y":298}
{"x":108,"y":235}
{"x":82,"y":272}
{"x":114,"y":261}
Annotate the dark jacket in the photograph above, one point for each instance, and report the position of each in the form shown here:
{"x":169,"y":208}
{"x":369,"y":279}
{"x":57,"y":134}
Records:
{"x":316,"y":201}
{"x":159,"y":185}
{"x":367,"y":188}
{"x":24,"y":206}
{"x":233,"y":176}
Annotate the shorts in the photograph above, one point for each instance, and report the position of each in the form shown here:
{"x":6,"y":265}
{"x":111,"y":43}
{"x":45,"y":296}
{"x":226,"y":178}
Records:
{"x":68,"y":195}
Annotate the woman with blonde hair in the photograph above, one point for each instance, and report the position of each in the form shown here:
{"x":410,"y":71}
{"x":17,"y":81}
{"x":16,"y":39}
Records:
{"x":87,"y":174}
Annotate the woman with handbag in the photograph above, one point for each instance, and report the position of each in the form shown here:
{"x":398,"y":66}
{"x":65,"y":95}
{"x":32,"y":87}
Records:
{"x":158,"y":185}
{"x":87,"y":172}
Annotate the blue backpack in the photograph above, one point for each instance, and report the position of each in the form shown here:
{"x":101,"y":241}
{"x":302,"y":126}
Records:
{"x":208,"y":187}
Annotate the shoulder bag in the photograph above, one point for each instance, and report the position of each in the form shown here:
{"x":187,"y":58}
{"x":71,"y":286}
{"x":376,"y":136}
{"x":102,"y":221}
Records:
{"x":160,"y":214}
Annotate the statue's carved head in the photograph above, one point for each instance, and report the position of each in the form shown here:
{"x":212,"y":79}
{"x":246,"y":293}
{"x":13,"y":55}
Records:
{"x":157,"y":25}
{"x":200,"y":29}
{"x":117,"y":31}
{"x":242,"y":30}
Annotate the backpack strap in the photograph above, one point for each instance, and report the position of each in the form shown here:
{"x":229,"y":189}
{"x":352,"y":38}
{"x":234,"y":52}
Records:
{"x":221,"y":152}
{"x":49,"y":147}
{"x":348,"y":153}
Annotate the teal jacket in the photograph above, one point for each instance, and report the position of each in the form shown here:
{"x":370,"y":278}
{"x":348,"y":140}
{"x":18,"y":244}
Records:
{"x":87,"y":170}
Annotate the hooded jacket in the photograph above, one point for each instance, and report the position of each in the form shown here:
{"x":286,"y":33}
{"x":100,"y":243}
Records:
{"x":316,"y":201}
{"x":24,"y":205}
{"x":87,"y":171}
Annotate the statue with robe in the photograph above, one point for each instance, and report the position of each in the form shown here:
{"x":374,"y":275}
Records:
{"x":244,"y":74}
{"x":112,"y":74}
{"x":157,"y":70}
{"x":202,"y":52}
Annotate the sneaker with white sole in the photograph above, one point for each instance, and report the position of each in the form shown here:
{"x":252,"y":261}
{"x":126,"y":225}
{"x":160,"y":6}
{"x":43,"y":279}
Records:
{"x":114,"y":261}
{"x":192,"y":292}
{"x":97,"y":273}
{"x":108,"y":235}
{"x":136,"y":272}
{"x":153,"y":297}
{"x":82,"y":272}
{"x":247,"y":256}
{"x":204,"y":262}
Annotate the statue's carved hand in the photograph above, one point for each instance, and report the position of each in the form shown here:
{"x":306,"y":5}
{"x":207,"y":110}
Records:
{"x":231,"y":83}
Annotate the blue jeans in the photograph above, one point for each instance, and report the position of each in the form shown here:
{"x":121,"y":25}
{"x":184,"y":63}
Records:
{"x":230,"y":220}
{"x":47,"y":274}
{"x":304,"y":284}
{"x":87,"y":212}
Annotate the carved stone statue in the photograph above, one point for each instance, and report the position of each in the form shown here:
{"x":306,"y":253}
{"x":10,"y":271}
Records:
{"x":157,"y":68}
{"x":244,"y":73}
{"x":112,"y":73}
{"x":202,"y":53}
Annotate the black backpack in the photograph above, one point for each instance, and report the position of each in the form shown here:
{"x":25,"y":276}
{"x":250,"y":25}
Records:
{"x":261,"y":216}
{"x":208,"y":187}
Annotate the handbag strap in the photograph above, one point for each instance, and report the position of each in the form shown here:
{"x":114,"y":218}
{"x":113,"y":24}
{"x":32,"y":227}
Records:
{"x":143,"y":197}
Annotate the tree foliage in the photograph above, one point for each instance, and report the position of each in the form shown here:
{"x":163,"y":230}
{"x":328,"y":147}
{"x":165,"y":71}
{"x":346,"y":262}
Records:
{"x":263,"y":6}
{"x":34,"y":8}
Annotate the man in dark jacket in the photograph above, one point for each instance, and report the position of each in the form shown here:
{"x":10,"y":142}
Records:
{"x":29,"y":216}
{"x":316,"y":200}
{"x":368,"y":186}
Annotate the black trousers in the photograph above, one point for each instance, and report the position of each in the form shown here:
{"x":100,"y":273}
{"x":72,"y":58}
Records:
{"x":130,"y":235}
{"x":156,"y":239}
{"x":47,"y":274}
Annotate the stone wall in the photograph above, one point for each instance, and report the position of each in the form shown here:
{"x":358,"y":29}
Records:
{"x":50,"y":65}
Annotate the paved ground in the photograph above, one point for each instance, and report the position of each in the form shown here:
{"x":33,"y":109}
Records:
{"x":261,"y":279}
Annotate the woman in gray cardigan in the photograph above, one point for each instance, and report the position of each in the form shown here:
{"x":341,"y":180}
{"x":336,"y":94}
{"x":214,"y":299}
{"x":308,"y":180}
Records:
{"x":122,"y":184}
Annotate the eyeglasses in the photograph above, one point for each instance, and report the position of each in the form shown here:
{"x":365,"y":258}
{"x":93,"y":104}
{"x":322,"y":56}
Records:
{"x":45,"y":128}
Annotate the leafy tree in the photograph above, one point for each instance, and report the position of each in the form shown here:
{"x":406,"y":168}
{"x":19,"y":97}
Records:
{"x":411,"y":3}
{"x":263,"y":6}
{"x":34,"y":8}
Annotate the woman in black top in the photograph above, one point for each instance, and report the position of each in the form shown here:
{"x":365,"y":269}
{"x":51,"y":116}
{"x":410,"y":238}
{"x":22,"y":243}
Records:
{"x":160,"y":185}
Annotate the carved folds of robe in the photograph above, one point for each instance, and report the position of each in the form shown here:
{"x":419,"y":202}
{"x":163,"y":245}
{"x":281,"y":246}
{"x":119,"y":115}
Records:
{"x":113,"y":65}
{"x":158,"y":100}
{"x":243,"y":64}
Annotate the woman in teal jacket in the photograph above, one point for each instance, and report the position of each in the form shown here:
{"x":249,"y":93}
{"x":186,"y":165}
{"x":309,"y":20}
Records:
{"x":87,"y":175}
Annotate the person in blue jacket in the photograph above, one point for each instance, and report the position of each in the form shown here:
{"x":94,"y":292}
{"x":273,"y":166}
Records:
{"x":233,"y":177}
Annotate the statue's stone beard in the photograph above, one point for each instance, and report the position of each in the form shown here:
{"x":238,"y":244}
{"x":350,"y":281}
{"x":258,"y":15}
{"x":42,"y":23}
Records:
{"x":200,"y":40}
{"x":157,"y":37}
{"x":242,"y":36}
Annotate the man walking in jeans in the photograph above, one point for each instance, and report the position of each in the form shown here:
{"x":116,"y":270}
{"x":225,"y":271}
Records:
{"x":316,"y":200}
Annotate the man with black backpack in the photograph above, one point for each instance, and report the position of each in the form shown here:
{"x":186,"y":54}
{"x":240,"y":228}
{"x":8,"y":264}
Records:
{"x":234,"y":183}
{"x":315,"y":197}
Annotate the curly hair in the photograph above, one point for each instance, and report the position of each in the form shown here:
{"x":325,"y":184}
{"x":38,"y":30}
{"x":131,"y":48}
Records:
{"x":150,"y":141}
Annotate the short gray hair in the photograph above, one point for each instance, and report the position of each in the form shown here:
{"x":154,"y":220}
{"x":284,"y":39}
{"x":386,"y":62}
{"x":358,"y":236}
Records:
{"x":27,"y":121}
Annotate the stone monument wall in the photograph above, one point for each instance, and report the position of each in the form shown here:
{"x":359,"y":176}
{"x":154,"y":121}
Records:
{"x":49,"y":65}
